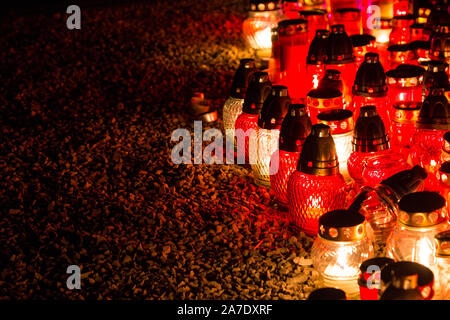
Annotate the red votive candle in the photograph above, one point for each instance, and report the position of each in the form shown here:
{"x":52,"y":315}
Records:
{"x":317,"y":20}
{"x":293,"y":37}
{"x":362,"y":44}
{"x":322,"y":99}
{"x":350,"y":18}
{"x":315,"y":61}
{"x":401,"y":33}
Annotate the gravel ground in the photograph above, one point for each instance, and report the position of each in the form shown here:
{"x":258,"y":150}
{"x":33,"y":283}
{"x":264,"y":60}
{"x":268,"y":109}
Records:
{"x":85,"y":170}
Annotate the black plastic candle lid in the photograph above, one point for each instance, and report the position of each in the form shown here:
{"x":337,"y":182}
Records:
{"x":258,"y":90}
{"x":369,"y":134}
{"x":317,"y":50}
{"x":425,"y":275}
{"x":379,"y":262}
{"x":361,"y":40}
{"x":318,"y":156}
{"x":423,"y":201}
{"x":370,"y":80}
{"x":327,"y":294}
{"x":435,"y":111}
{"x":242,"y":77}
{"x":295,"y":128}
{"x":324,"y":93}
{"x":274,"y":108}
{"x":406,"y":181}
{"x":339,"y":48}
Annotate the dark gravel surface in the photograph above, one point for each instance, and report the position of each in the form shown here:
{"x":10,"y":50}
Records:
{"x":85,"y":170}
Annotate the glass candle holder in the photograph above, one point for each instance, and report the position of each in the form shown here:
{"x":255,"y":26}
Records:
{"x":369,"y":139}
{"x":316,"y":5}
{"x":327,"y":294}
{"x":341,"y":125}
{"x":315,"y":61}
{"x":401,"y":54}
{"x":403,"y":125}
{"x":317,"y":20}
{"x":246,"y":125}
{"x":380,"y":167}
{"x":362,"y":44}
{"x":340,"y":57}
{"x":233,"y":106}
{"x":331,"y":80}
{"x":340,"y":248}
{"x":443,"y":265}
{"x":425,"y":278}
{"x":274,"y":110}
{"x":293,"y":38}
{"x":320,"y":100}
{"x":381,"y":32}
{"x":369,"y":280}
{"x":379,"y":204}
{"x":256,"y":29}
{"x":350,"y":18}
{"x":416,"y":32}
{"x":370,"y":88}
{"x":421,"y":216}
{"x":432,"y":124}
{"x":316,"y":187}
{"x":440,"y":43}
{"x":295,"y":128}
{"x":401,"y":32}
{"x":435,"y":76}
{"x":291,"y":8}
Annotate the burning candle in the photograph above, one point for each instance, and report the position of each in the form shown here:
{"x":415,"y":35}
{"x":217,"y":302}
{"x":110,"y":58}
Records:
{"x":424,"y":280}
{"x":369,"y":139}
{"x":421,"y":216}
{"x":379,"y":204}
{"x":233,"y":106}
{"x":340,"y":57}
{"x":272,"y":114}
{"x":370,"y":88}
{"x":369,"y":280}
{"x":295,"y":128}
{"x":315,"y":61}
{"x":293,"y":38}
{"x":340,"y":248}
{"x":433,"y":122}
{"x":341,"y":125}
{"x":443,"y":264}
{"x":316,"y":187}
{"x":256,"y":29}
{"x":258,"y":90}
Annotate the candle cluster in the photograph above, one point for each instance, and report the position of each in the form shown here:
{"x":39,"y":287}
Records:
{"x":350,"y":125}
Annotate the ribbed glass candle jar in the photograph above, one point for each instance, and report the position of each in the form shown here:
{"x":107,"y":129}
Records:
{"x":340,"y":248}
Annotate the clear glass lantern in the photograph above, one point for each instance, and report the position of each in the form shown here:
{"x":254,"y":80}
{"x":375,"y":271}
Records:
{"x":341,"y":125}
{"x":442,"y":241}
{"x":421,"y":216}
{"x":295,"y":128}
{"x":340,"y":248}
{"x":246,"y":124}
{"x":316,"y":187}
{"x":379,"y":204}
{"x":257,"y":28}
{"x":274,"y":110}
{"x":233,"y":105}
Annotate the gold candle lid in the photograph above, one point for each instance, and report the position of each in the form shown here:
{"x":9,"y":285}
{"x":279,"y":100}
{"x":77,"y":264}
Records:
{"x":422,"y":209}
{"x":342,"y":225}
{"x":442,"y":240}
